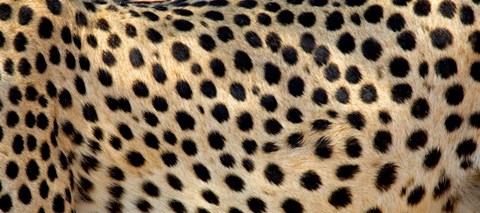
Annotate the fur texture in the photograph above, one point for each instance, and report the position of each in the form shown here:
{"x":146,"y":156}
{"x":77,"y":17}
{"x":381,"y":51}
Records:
{"x":240,"y":106}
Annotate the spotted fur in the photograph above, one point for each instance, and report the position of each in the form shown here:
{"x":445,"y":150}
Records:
{"x":240,"y":106}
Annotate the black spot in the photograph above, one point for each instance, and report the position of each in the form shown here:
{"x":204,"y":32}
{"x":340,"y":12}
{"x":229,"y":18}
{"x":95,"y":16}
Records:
{"x":454,"y":94}
{"x":116,"y":173}
{"x":340,"y":198}
{"x":214,"y":15}
{"x":15,"y":95}
{"x":406,"y":40}
{"x":272,"y":126}
{"x":136,"y":58}
{"x":208,"y":89}
{"x":241,"y":20}
{"x":225,"y":34}
{"x":295,"y":140}
{"x":5,"y":11}
{"x":159,"y":73}
{"x":269,"y":103}
{"x":250,"y":146}
{"x":355,"y":3}
{"x":442,"y":186}
{"x":272,"y":7}
{"x":310,"y":180}
{"x":441,"y":38}
{"x":373,"y":14}
{"x":220,"y":113}
{"x":290,"y":55}
{"x":234,"y":182}
{"x":150,"y":16}
{"x":256,"y":205}
{"x":104,"y":77}
{"x":334,"y":21}
{"x":183,"y":25}
{"x":151,"y":141}
{"x":399,"y":67}
{"x":347,"y":171}
{"x":368,"y":94}
{"x":238,"y":91}
{"x":474,"y":40}
{"x":207,"y":42}
{"x":151,"y":189}
{"x":153,"y":35}
{"x":331,"y":73}
{"x":183,"y":89}
{"x":382,"y":141}
{"x":353,"y":75}
{"x":356,"y":120}
{"x":396,"y":22}
{"x":318,"y":3}
{"x":307,"y":19}
{"x":89,"y":113}
{"x":210,"y":197}
{"x":108,"y":58}
{"x":415,"y":195}
{"x":417,"y":140}
{"x":19,"y":42}
{"x":177,"y":206}
{"x":374,"y":210}
{"x":371,"y":49}
{"x":273,"y":41}
{"x":253,"y":39}
{"x":432,"y":158}
{"x":270,"y":147}
{"x":180,"y":51}
{"x":285,"y":17}
{"x":475,"y":120}
{"x":140,"y":89}
{"x":272,"y":73}
{"x":242,"y":61}
{"x":321,"y":125}
{"x":320,"y":96}
{"x":296,"y":86}
{"x":467,"y":16}
{"x":386,"y":176}
{"x":401,"y":93}
{"x":81,"y":19}
{"x":453,"y":122}
{"x":423,"y":69}
{"x":323,"y":148}
{"x":274,"y":174}
{"x":355,"y":18}
{"x":6,"y":203}
{"x":216,"y":140}
{"x":447,"y":8}
{"x":264,"y":19}
{"x":353,"y":148}
{"x":422,"y":7}
{"x":342,"y":95}
{"x":420,"y":108}
{"x":125,"y":131}
{"x":292,"y":206}
{"x":24,"y":194}
{"x":174,"y":182}
{"x":307,"y":42}
{"x":466,"y":148}
{"x":218,"y":68}
{"x":65,"y":99}
{"x":55,"y":6}
{"x":346,"y":43}
{"x":185,"y":120}
{"x":24,"y":15}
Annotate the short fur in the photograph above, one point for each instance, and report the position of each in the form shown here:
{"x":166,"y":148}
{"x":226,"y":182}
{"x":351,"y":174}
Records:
{"x":240,"y":106}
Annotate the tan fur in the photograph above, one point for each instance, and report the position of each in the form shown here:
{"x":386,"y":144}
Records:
{"x":464,"y":190}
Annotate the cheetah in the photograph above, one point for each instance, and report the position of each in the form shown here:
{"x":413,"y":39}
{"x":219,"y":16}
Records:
{"x":240,"y":106}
